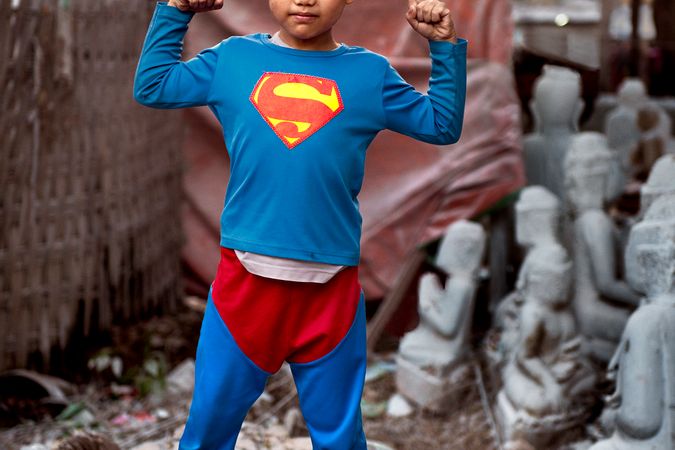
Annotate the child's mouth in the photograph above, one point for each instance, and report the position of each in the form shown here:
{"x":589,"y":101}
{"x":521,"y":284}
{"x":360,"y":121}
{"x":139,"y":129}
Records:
{"x":303,"y":17}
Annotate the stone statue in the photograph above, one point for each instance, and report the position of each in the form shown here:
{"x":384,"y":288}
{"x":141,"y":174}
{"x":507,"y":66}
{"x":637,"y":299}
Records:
{"x":661,"y":181}
{"x":537,"y":225}
{"x":602,"y":300}
{"x":645,"y":359}
{"x":621,"y":125}
{"x":556,"y":106}
{"x":547,"y":379}
{"x":431,"y":357}
{"x":654,"y":124}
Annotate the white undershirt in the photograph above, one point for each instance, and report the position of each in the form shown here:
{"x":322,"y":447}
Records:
{"x":285,"y":268}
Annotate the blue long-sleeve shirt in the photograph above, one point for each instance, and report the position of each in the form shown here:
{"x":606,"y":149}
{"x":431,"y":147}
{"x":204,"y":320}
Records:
{"x":296,"y":124}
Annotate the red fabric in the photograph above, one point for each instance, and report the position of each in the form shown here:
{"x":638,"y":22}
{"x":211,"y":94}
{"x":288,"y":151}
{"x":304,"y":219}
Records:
{"x":412,"y":191}
{"x":275,"y":320}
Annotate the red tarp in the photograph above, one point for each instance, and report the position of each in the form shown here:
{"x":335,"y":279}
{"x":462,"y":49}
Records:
{"x":412,"y":190}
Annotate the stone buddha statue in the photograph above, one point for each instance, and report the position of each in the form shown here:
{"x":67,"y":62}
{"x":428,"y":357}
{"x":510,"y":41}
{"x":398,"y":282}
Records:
{"x":431,"y":356}
{"x":654,"y":140}
{"x":446,"y":313}
{"x":556,"y":107}
{"x":545,"y":380}
{"x":661,"y":181}
{"x":602,"y":301}
{"x":537,"y":225}
{"x":645,"y":359}
{"x":621,"y":125}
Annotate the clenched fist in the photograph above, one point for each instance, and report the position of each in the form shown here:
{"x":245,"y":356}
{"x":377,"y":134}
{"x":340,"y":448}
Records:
{"x":196,"y":5}
{"x":431,"y":19}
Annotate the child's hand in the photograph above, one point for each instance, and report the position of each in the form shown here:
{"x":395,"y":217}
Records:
{"x":431,"y":19}
{"x":196,"y":5}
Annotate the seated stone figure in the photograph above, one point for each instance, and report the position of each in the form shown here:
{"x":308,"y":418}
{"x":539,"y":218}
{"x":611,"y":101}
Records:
{"x":661,"y":181}
{"x":537,"y":225}
{"x":654,"y":140}
{"x":645,"y":359}
{"x":602,"y":301}
{"x":556,"y":106}
{"x":446,"y":313}
{"x":430,"y":358}
{"x":547,"y":377}
{"x":621,"y":125}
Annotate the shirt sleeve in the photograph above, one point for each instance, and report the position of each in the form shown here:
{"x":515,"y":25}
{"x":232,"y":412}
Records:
{"x":162,"y":80}
{"x":437,"y":117}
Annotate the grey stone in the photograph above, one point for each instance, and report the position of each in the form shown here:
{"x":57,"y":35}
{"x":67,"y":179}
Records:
{"x":431,"y":390}
{"x":375,"y":445}
{"x":602,"y":301}
{"x":556,"y":106}
{"x":182,"y":378}
{"x":645,"y":360}
{"x":621,"y":126}
{"x":537,"y":226}
{"x":398,"y":406}
{"x":661,"y":181}
{"x":442,"y":337}
{"x":547,"y":381}
{"x":433,"y":355}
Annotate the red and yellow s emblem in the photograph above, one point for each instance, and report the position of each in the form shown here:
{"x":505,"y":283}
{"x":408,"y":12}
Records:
{"x":296,"y":106}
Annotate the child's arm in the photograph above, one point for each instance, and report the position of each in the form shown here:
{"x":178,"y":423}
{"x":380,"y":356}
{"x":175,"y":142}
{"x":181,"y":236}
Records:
{"x":437,"y":117}
{"x":162,"y":80}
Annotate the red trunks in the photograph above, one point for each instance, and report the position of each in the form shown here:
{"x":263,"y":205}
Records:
{"x":276,"y":320}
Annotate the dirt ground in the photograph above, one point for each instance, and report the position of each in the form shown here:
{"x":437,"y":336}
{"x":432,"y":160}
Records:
{"x":145,"y":405}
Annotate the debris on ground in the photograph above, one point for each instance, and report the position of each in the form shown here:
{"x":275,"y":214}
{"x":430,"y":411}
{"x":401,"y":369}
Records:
{"x":141,"y":386}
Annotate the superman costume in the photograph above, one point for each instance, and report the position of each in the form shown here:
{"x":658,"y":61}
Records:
{"x":296,"y":124}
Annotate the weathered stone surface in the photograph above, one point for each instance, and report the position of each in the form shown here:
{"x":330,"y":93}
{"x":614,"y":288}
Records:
{"x":537,"y":226}
{"x":547,"y":376}
{"x":398,"y":406}
{"x":645,"y":359}
{"x":182,"y":378}
{"x":433,"y":391}
{"x":621,"y":127}
{"x":432,"y":356}
{"x":602,"y":300}
{"x":538,"y":432}
{"x":556,"y":106}
{"x":441,"y":338}
{"x":661,"y":181}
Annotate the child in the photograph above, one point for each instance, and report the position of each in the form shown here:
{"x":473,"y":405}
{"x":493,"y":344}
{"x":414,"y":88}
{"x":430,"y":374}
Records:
{"x":298,"y":111}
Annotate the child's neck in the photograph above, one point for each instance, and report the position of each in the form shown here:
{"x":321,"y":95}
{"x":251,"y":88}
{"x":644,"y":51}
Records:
{"x":328,"y":43}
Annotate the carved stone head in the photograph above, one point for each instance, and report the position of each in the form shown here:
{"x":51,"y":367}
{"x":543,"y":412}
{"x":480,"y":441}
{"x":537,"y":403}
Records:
{"x":632,"y":93}
{"x":556,"y":101}
{"x":587,"y":168}
{"x":461,"y":249}
{"x":549,"y":276}
{"x":650,"y":254}
{"x":537,"y":216}
{"x":661,"y":181}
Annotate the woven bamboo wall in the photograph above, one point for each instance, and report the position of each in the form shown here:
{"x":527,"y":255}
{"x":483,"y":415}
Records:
{"x":90,"y":180}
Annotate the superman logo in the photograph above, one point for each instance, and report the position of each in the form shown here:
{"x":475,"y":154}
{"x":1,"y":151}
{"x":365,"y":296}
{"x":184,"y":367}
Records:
{"x":296,"y":106}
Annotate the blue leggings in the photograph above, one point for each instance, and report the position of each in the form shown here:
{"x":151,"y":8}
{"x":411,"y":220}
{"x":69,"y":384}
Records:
{"x":227,"y":383}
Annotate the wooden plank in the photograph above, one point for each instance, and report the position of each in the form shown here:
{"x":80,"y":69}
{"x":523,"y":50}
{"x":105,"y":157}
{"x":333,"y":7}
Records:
{"x":394,"y":298}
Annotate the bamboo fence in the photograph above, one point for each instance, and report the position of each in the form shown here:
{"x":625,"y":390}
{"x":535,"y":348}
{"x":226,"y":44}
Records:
{"x":90,"y":181}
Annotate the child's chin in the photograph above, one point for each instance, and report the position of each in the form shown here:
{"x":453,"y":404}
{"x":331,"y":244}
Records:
{"x":303,"y":36}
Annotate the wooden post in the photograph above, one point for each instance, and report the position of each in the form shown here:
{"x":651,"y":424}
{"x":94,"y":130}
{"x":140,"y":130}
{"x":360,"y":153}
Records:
{"x":392,"y":301}
{"x":634,"y":66}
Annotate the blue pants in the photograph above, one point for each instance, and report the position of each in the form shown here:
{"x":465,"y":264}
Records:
{"x":227,"y":383}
